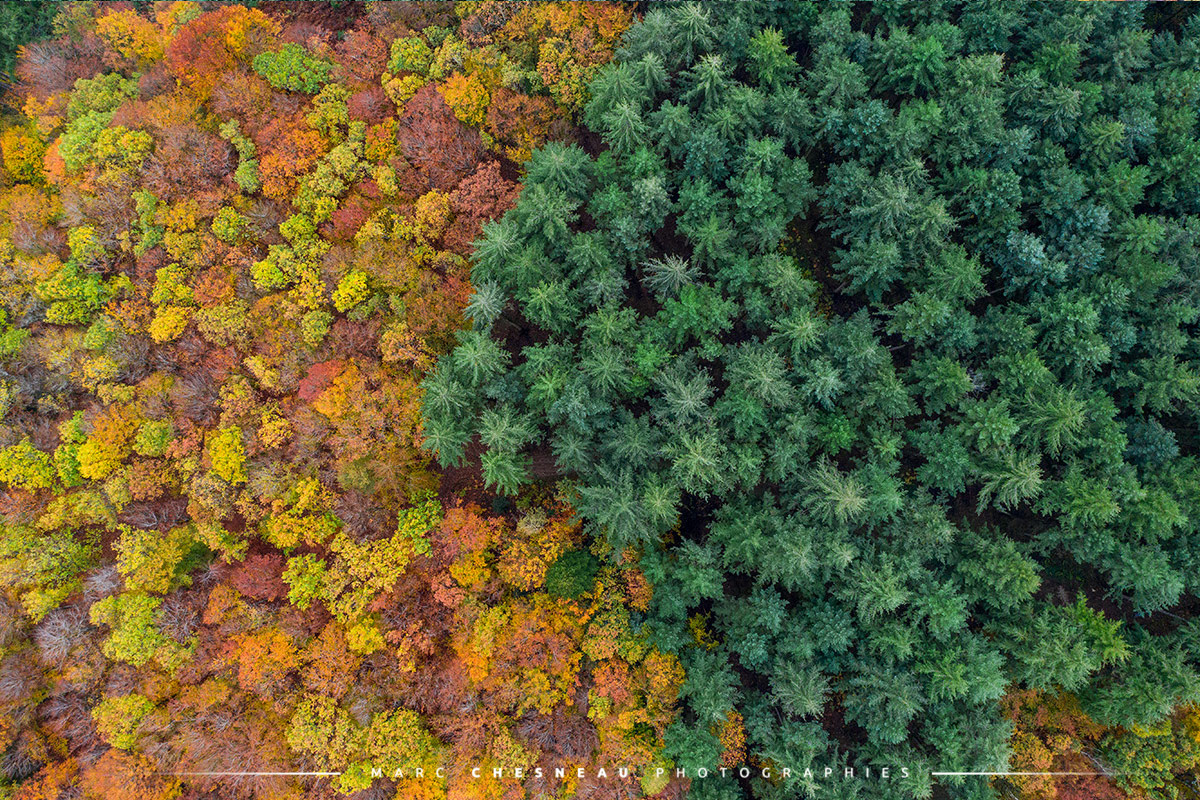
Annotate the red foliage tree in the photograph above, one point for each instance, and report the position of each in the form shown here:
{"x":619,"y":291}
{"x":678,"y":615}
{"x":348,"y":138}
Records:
{"x":249,"y":99}
{"x":186,"y":161}
{"x":370,"y":105}
{"x":260,"y":577}
{"x":318,"y":379}
{"x":466,"y":529}
{"x":346,"y":221}
{"x":443,"y":150}
{"x":362,"y":57}
{"x":1085,"y":787}
{"x":483,"y":195}
{"x":53,"y":66}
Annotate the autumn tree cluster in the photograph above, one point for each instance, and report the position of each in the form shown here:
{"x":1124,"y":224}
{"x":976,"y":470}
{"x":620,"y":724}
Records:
{"x":394,"y":386}
{"x":232,"y":241}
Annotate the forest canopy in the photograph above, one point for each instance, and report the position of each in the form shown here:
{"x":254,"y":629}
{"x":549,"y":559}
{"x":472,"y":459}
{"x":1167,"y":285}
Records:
{"x":565,"y":398}
{"x":870,"y":332}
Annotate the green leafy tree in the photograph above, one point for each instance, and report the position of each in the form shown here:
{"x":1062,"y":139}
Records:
{"x":293,"y":68}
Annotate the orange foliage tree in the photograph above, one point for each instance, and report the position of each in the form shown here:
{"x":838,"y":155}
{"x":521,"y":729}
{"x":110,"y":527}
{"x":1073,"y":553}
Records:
{"x":224,"y":282}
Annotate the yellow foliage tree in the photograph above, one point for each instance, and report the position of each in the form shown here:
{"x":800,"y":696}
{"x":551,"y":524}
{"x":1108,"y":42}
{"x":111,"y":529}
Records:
{"x":227,"y":454}
{"x":467,"y":97}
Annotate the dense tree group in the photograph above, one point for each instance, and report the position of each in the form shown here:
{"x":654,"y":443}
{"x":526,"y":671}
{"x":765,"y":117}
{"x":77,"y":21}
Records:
{"x":812,"y":388}
{"x":870,"y":332}
{"x":233,"y":240}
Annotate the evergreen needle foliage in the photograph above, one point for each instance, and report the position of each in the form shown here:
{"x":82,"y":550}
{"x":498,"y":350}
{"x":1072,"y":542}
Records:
{"x":870,"y":329}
